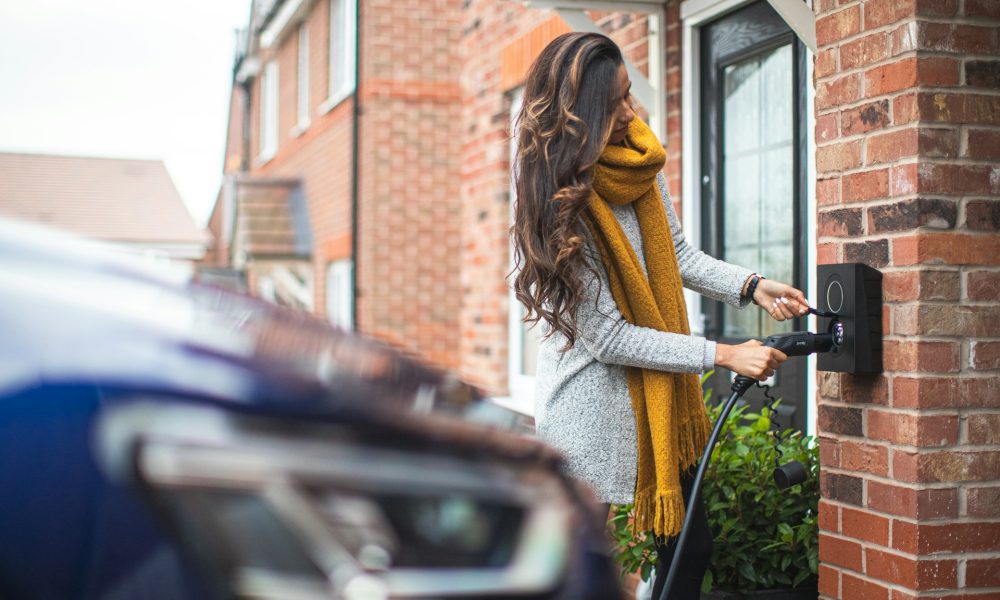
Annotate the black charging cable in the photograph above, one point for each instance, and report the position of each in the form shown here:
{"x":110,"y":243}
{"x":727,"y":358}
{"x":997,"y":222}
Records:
{"x":799,"y":343}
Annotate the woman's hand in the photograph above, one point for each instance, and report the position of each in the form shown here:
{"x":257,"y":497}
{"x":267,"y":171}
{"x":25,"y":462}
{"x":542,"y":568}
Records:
{"x":750,"y":358}
{"x":780,"y":300}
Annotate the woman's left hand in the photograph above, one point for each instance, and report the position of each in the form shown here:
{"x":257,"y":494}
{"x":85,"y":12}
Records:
{"x":780,"y":300}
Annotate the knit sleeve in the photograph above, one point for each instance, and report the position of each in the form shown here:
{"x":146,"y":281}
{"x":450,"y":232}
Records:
{"x":610,"y":339}
{"x":702,"y":273}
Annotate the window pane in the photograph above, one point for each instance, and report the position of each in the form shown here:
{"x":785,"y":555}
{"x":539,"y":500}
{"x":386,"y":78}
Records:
{"x":269,"y":110}
{"x":758,"y":169}
{"x":336,"y":45}
{"x":303,"y":75}
{"x":339,"y":298}
{"x":341,"y":49}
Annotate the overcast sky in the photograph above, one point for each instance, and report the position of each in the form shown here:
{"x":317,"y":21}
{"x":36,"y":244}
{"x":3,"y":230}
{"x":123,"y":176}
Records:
{"x":125,"y":79}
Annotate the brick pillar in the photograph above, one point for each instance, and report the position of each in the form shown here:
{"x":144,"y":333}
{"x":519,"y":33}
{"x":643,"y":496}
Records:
{"x":908,"y":143}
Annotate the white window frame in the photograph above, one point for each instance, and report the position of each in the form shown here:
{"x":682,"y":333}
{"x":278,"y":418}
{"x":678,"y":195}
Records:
{"x":341,"y":52}
{"x":302,"y":80}
{"x":266,"y":289}
{"x":268,"y":142}
{"x":695,"y":14}
{"x":339,"y":296}
{"x":520,"y":386}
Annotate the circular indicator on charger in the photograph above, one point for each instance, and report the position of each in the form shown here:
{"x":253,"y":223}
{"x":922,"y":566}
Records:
{"x":835,"y":296}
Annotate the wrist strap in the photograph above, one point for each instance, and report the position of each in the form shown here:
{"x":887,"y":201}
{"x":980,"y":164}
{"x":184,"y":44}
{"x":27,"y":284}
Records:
{"x":752,"y":286}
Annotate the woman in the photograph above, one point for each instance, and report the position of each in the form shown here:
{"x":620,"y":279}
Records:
{"x":602,"y":262}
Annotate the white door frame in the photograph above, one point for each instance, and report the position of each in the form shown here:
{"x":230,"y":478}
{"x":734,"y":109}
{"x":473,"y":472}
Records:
{"x":521,"y":387}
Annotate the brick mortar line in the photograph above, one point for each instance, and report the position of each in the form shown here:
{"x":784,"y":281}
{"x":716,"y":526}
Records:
{"x":949,"y":303}
{"x":919,"y":450}
{"x":846,"y":404}
{"x":889,"y":444}
{"x":941,"y":89}
{"x":933,"y":449}
{"x":943,"y":268}
{"x":889,"y":27}
{"x":939,"y":339}
{"x":902,"y":162}
{"x":960,"y":520}
{"x":891,"y":200}
{"x":876,"y":131}
{"x":906,"y":54}
{"x":916,"y":485}
{"x":954,"y":411}
{"x":956,"y":91}
{"x":917,"y":125}
{"x":954,"y":375}
{"x":968,"y":375}
{"x":869,"y":237}
{"x":867,"y":544}
{"x":887,"y":200}
{"x":932,"y":557}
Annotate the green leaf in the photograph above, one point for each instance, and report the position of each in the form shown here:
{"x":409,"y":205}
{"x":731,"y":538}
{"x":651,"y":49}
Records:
{"x":746,"y":570}
{"x":706,"y":582}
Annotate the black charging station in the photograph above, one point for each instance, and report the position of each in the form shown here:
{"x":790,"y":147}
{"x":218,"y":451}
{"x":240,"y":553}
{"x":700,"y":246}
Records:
{"x":853,"y":292}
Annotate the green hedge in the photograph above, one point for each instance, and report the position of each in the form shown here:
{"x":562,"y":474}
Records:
{"x":765,"y":537}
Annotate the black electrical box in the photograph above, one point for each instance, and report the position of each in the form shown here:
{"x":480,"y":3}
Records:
{"x":854,"y":292}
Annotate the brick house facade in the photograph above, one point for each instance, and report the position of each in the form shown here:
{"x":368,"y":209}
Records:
{"x":406,"y":251}
{"x":900,"y":114}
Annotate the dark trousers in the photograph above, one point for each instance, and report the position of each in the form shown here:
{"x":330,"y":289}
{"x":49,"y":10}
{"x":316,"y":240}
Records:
{"x":694,"y":561}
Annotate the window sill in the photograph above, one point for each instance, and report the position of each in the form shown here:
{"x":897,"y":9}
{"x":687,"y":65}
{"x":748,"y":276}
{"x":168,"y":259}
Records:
{"x":524,"y":406}
{"x":334,"y":100}
{"x":263,"y":159}
{"x":299,"y":128}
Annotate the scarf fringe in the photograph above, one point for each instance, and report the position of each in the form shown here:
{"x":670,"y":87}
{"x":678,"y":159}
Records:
{"x":691,"y":440}
{"x":661,"y":512}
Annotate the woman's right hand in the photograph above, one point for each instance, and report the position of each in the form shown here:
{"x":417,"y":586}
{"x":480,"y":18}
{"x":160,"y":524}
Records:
{"x":751,"y":358}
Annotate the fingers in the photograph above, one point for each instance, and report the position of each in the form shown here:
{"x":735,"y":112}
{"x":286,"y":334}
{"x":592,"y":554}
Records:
{"x":784,"y":307}
{"x":779,"y":309}
{"x":775,"y":358}
{"x":799,"y":303}
{"x":783,"y":301}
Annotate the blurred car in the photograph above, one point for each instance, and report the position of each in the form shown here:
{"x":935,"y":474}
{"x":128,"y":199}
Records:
{"x":160,"y":438}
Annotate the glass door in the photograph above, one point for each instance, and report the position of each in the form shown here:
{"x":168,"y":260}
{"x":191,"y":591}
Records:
{"x":753,"y":211}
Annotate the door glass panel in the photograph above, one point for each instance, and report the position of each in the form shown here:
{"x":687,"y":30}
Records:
{"x":758,"y":177}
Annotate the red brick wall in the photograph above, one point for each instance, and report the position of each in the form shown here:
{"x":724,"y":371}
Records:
{"x":411,"y":150}
{"x":907,"y":112}
{"x":486,"y":28}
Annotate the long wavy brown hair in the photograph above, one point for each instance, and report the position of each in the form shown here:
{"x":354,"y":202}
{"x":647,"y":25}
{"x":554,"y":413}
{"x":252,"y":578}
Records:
{"x":562,"y":127}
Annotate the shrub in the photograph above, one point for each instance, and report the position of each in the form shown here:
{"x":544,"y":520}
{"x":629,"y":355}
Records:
{"x":765,"y":537}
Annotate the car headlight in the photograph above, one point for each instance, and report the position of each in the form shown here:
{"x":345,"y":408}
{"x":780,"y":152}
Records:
{"x":283,"y":509}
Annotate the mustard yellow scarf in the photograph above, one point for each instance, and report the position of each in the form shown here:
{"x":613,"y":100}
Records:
{"x":671,"y":425}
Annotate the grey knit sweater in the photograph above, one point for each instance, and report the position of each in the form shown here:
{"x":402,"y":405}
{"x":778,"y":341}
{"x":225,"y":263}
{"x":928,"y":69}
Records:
{"x":582,"y":405}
